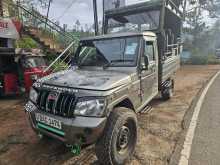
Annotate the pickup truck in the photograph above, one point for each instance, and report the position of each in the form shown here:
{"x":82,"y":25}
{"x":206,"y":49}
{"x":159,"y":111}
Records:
{"x":112,"y":78}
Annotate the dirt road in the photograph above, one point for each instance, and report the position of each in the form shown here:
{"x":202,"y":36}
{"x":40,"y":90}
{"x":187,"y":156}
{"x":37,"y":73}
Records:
{"x":159,"y":129}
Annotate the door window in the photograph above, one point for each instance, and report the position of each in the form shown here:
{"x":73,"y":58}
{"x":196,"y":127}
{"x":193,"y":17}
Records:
{"x":149,"y":51}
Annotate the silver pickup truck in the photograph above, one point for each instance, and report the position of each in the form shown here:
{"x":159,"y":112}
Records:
{"x":112,"y":78}
{"x":96,"y":101}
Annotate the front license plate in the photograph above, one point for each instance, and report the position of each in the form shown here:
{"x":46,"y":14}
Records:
{"x":48,"y":121}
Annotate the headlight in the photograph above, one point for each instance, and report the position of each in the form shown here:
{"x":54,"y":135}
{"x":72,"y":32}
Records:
{"x":33,"y":95}
{"x":92,"y":107}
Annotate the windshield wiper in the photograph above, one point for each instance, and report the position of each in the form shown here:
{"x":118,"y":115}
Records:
{"x":119,"y":61}
{"x":115,"y":61}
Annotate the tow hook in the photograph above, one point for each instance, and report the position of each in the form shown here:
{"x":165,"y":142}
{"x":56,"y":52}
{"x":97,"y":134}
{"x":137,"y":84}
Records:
{"x":40,"y":136}
{"x":75,"y":149}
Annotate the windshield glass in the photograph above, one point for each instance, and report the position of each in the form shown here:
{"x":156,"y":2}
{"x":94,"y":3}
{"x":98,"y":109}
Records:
{"x":31,"y":62}
{"x":110,"y":52}
{"x":134,"y":23}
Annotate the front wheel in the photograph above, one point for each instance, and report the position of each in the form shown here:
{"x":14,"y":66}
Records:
{"x":119,"y":138}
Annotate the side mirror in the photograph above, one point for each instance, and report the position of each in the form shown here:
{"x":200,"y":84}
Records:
{"x":144,"y":66}
{"x":146,"y":61}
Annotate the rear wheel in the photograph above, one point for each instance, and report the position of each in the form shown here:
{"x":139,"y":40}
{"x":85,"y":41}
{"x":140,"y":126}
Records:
{"x":168,"y":90}
{"x":118,"y":141}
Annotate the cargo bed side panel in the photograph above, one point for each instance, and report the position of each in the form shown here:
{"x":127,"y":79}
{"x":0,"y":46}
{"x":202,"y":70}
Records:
{"x":169,"y":67}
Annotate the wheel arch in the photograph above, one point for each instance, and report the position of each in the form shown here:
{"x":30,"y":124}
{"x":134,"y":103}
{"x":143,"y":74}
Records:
{"x":126,"y":103}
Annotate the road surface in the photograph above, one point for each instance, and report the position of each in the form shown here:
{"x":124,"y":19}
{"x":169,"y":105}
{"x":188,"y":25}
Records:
{"x":205,"y":149}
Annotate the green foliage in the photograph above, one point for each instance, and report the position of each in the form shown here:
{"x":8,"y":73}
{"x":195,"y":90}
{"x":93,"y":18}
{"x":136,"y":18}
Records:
{"x":203,"y":45}
{"x":212,"y":60}
{"x":59,"y":65}
{"x":199,"y":58}
{"x":26,"y":42}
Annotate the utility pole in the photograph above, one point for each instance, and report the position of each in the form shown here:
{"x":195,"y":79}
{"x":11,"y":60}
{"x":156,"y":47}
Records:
{"x":95,"y":17}
{"x":103,"y":18}
{"x":48,"y":10}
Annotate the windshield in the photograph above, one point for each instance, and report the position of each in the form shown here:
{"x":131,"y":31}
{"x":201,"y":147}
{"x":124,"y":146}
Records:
{"x":134,"y":23}
{"x":109,"y":52}
{"x":31,"y":62}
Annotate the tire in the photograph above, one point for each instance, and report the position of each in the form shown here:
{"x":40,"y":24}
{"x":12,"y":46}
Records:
{"x":167,"y":92}
{"x":117,"y":144}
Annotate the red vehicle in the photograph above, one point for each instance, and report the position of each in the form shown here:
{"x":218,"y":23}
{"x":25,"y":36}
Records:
{"x":9,"y":83}
{"x":19,"y":71}
{"x":32,"y":67}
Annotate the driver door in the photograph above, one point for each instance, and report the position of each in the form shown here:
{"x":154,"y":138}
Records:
{"x":149,"y":75}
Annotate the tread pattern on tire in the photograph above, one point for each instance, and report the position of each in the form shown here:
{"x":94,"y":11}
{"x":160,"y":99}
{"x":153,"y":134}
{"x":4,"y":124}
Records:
{"x":166,"y":93}
{"x":103,"y":146}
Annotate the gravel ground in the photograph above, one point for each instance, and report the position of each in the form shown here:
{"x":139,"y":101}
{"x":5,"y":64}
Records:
{"x":159,"y":129}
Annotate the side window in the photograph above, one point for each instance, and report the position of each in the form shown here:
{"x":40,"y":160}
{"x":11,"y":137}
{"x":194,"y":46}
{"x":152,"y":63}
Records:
{"x":149,"y":51}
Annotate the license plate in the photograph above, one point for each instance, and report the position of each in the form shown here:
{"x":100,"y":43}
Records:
{"x":48,"y":121}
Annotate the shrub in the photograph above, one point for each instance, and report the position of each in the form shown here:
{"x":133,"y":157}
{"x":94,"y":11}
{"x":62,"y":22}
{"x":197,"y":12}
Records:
{"x":213,"y":60}
{"x":26,"y":42}
{"x":198,"y":59}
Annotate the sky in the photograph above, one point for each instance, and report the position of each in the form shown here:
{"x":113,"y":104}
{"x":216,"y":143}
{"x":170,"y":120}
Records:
{"x":69,"y":11}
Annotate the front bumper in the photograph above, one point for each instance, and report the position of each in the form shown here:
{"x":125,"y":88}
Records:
{"x":78,"y":130}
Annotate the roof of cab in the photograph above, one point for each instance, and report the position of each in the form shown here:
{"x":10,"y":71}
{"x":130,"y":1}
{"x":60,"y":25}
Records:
{"x":119,"y":35}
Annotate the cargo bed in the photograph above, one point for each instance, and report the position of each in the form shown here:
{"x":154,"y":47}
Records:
{"x":169,"y":67}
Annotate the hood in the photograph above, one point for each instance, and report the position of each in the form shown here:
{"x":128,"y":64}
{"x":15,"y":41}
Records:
{"x":89,"y":79}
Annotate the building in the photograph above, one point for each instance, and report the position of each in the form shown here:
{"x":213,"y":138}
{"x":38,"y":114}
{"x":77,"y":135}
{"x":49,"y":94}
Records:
{"x":9,"y":27}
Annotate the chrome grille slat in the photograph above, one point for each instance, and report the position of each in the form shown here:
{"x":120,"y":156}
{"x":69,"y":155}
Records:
{"x":70,"y":106}
{"x":62,"y":102}
{"x":43,"y":99}
{"x":57,"y":106}
{"x":65,"y":105}
{"x":60,"y":107}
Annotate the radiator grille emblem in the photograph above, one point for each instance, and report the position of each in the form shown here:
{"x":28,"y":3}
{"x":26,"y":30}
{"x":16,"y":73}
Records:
{"x":53,"y":96}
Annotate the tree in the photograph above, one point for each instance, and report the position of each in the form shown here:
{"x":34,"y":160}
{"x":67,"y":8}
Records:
{"x":30,"y":3}
{"x":86,"y":27}
{"x":203,"y":37}
{"x":194,"y":10}
{"x":82,"y":30}
{"x":65,"y":27}
{"x":77,"y":25}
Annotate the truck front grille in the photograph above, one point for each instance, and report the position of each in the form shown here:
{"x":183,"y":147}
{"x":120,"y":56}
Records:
{"x":61,"y":104}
